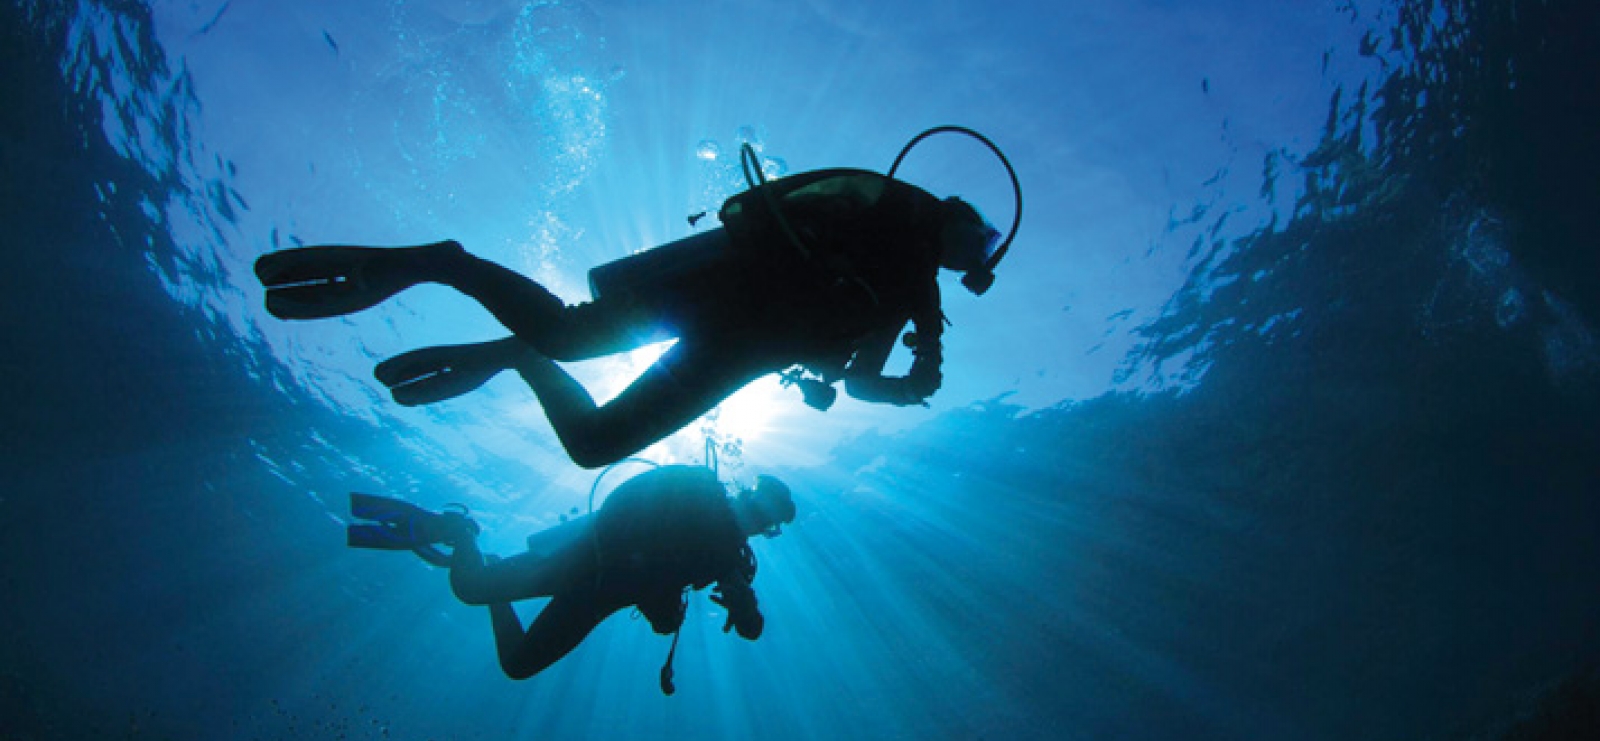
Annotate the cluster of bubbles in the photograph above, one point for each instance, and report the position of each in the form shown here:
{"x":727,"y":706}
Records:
{"x":721,"y":173}
{"x":1481,"y":270}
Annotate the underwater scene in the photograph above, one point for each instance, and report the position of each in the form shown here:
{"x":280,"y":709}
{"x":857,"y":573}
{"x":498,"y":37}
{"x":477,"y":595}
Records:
{"x":1281,"y":418}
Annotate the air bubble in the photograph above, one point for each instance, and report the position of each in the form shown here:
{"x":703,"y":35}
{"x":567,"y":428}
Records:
{"x":1509,"y":309}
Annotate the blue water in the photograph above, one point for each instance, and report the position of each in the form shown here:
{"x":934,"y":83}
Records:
{"x":1278,"y":423}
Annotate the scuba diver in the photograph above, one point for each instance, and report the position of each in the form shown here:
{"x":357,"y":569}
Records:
{"x":816,"y":272}
{"x":657,"y":536}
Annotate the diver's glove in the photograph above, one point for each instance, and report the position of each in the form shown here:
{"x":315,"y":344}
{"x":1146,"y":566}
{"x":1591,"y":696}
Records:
{"x":740,"y":602}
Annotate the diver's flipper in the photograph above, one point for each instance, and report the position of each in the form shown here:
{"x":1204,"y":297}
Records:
{"x":402,"y":525}
{"x":392,"y":538}
{"x":322,"y":282}
{"x":437,"y":373}
{"x":387,"y":510}
{"x":378,"y":537}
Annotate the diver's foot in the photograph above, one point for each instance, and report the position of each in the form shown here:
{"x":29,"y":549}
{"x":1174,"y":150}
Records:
{"x":322,"y":282}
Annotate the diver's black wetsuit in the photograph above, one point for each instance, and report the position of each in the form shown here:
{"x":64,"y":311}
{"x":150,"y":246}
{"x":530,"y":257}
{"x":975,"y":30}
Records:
{"x":658,"y":533}
{"x":763,"y":306}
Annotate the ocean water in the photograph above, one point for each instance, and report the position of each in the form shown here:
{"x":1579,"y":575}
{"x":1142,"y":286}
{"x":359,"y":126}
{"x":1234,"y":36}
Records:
{"x":1280,"y":421}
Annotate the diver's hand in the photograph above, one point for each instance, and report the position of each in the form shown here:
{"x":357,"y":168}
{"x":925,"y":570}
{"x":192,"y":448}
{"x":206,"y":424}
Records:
{"x":750,"y":624}
{"x":723,"y":603}
{"x":740,"y":602}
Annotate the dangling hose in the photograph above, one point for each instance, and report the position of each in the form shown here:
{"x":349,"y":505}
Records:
{"x":667,"y":687}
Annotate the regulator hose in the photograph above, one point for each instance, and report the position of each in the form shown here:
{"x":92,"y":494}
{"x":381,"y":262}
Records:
{"x":1016,"y":188}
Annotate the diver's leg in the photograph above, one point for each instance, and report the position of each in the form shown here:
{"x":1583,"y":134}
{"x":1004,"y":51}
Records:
{"x":524,"y":576}
{"x":327,"y":281}
{"x":542,"y":319}
{"x":559,"y":628}
{"x":524,"y":306}
{"x":691,"y":378}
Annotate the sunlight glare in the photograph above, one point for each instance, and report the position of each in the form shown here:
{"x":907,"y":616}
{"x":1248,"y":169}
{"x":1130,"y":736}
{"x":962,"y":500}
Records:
{"x":743,"y":420}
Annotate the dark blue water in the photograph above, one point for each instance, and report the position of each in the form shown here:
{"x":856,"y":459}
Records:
{"x":1280,"y":423}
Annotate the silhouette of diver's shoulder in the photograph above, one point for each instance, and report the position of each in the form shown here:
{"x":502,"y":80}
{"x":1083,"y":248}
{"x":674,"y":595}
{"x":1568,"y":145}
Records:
{"x":863,"y":188}
{"x":840,"y":212}
{"x":653,"y":490}
{"x":682,"y":476}
{"x":666,"y":508}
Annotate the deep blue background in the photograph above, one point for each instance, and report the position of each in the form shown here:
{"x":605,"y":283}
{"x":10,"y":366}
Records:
{"x":1279,"y":423}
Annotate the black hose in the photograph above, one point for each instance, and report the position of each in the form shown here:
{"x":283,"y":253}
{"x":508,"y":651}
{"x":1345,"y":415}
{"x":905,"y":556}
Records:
{"x":748,"y":159}
{"x":1016,"y":185}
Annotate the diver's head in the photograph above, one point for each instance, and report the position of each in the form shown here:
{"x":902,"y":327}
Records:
{"x":764,"y":509}
{"x":966,"y":239}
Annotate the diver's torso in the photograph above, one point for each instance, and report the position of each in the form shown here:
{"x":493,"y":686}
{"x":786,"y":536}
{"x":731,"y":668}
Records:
{"x":863,"y":256}
{"x":873,"y":257}
{"x":669,"y":526}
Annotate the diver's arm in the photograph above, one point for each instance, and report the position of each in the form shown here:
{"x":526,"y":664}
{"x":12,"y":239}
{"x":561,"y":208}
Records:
{"x":864,"y":378}
{"x":734,"y":593}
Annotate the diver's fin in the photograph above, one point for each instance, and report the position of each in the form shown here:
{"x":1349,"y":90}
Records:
{"x":392,"y":538}
{"x":387,"y":510}
{"x":437,"y":373}
{"x":378,"y":537}
{"x":409,"y":526}
{"x":322,"y":282}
